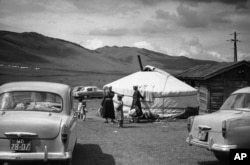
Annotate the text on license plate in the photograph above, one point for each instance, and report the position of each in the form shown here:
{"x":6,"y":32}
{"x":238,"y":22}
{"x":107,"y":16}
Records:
{"x":203,"y":135}
{"x":20,"y":144}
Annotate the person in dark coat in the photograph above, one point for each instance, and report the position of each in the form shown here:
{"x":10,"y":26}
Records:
{"x":136,"y":103}
{"x":107,"y":104}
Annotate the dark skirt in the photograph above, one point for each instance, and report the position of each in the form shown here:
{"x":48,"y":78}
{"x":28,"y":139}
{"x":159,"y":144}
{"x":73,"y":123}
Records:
{"x":108,"y":109}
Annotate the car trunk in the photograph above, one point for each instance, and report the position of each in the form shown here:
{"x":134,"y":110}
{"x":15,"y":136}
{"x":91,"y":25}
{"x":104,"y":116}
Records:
{"x":214,"y":120}
{"x":43,"y":125}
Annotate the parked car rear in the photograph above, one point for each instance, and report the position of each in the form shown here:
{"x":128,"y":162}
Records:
{"x":37,"y":122}
{"x":226,"y":129}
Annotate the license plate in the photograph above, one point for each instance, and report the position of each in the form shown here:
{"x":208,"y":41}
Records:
{"x":20,"y":145}
{"x":203,"y":135}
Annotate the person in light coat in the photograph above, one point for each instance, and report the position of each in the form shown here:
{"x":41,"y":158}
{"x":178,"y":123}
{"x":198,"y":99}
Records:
{"x":119,"y":110}
{"x":82,"y":109}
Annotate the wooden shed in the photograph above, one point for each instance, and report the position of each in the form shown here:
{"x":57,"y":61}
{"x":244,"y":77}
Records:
{"x":215,"y":82}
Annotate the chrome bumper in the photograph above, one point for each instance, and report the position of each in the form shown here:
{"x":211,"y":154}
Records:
{"x":36,"y":155}
{"x":210,"y":145}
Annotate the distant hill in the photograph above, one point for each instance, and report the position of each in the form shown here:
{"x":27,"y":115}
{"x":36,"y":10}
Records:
{"x":33,"y":49}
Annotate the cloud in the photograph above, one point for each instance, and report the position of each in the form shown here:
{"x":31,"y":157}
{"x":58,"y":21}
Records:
{"x":151,"y":2}
{"x":192,"y":48}
{"x":93,"y":44}
{"x":190,"y":18}
{"x":13,"y":8}
{"x":216,"y":56}
{"x":152,"y":27}
{"x":144,"y":44}
{"x":105,"y":7}
{"x":186,"y":17}
{"x":199,"y":16}
{"x":232,"y":2}
{"x":192,"y":45}
{"x":243,"y":56}
{"x":109,"y":32}
{"x":165,"y":15}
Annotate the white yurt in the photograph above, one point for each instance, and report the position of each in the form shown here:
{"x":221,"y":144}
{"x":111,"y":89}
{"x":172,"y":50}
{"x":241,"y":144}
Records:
{"x":164,"y":94}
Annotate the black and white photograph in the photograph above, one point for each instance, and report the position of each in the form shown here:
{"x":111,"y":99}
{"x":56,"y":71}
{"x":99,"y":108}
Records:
{"x":125,"y":82}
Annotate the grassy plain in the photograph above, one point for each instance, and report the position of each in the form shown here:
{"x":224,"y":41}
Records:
{"x":72,"y":78}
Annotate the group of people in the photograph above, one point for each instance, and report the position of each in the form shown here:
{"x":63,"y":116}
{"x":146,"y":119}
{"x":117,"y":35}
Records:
{"x":108,"y":108}
{"x":109,"y":111}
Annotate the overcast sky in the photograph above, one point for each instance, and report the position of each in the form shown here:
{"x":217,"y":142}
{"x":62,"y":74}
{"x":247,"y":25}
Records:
{"x":193,"y":28}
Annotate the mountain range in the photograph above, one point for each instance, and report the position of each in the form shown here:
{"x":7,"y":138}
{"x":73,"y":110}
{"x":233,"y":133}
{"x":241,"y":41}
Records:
{"x":36,"y":50}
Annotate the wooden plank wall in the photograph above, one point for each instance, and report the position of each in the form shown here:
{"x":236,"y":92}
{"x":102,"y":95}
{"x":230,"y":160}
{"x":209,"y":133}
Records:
{"x":216,"y":93}
{"x":203,"y":98}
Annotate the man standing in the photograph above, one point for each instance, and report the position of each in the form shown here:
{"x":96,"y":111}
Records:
{"x":136,"y":103}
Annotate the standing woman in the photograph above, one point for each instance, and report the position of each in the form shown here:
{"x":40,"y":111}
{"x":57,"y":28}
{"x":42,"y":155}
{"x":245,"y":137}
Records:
{"x":108,"y":111}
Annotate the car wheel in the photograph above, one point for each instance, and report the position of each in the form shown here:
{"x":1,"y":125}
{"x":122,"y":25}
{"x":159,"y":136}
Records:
{"x":2,"y":162}
{"x":222,"y":156}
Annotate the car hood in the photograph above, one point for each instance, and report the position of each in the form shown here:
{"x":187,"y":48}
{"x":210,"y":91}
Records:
{"x":214,"y":120}
{"x":43,"y":124}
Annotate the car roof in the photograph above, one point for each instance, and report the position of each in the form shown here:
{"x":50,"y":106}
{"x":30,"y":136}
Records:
{"x":90,"y":87}
{"x":242,"y":90}
{"x":58,"y":88}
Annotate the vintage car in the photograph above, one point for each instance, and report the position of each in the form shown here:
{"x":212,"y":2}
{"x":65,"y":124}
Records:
{"x":88,"y":92}
{"x":76,"y":89}
{"x":225,"y":129}
{"x":37,"y":122}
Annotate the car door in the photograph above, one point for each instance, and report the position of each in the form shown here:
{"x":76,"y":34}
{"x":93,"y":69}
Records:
{"x":94,"y":92}
{"x":90,"y":92}
{"x":72,"y":124}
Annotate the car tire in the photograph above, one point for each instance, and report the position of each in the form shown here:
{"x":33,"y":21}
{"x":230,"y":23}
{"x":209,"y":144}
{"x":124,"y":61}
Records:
{"x":222,"y":157}
{"x":2,"y":162}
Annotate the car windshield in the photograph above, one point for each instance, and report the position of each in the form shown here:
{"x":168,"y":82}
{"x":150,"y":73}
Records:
{"x":239,"y":101}
{"x":30,"y":101}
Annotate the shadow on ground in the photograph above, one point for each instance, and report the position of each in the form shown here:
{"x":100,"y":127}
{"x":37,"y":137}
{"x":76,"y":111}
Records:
{"x":91,"y":154}
{"x":210,"y":163}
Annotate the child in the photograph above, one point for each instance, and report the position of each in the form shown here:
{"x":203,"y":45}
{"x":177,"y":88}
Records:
{"x":119,"y":110}
{"x":82,"y":109}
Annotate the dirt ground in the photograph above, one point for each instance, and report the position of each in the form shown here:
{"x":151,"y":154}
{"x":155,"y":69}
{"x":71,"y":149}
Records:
{"x":145,"y":143}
